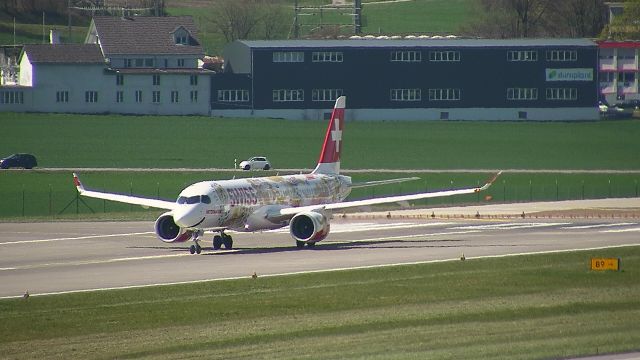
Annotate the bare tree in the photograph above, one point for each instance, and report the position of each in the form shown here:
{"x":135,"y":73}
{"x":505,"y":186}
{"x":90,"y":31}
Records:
{"x":236,"y":19}
{"x":578,"y":18}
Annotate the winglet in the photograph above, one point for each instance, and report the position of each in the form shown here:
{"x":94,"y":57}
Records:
{"x":77,"y":183}
{"x":489,"y":182}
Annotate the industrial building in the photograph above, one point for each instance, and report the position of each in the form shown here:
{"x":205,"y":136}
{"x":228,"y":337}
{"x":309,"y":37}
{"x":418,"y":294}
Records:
{"x":410,"y":79}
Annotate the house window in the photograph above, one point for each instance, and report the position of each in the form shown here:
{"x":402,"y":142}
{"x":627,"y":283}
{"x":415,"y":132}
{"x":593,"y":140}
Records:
{"x":406,"y":95}
{"x":138,"y":96}
{"x":62,"y":96}
{"x":282,"y":95}
{"x":522,"y":55}
{"x":174,"y":97}
{"x":193,"y":80}
{"x":326,"y":56}
{"x":607,"y":76}
{"x":181,"y":39}
{"x":180,"y":62}
{"x":155,"y":97}
{"x":166,"y":63}
{"x":325,"y":94}
{"x":444,"y":94}
{"x":562,"y":55}
{"x":406,"y":56}
{"x":128,"y":63}
{"x":288,"y":56}
{"x":12,"y":97}
{"x":444,"y":56}
{"x":148,"y":62}
{"x":562,"y":94}
{"x":522,"y":94}
{"x":119,"y":79}
{"x":156,"y":79}
{"x":139,"y":62}
{"x":193,"y":95}
{"x":233,"y":95}
{"x":119,"y":96}
{"x":91,"y":96}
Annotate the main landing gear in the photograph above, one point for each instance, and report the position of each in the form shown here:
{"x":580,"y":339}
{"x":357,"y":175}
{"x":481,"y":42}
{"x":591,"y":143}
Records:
{"x":222,"y":240}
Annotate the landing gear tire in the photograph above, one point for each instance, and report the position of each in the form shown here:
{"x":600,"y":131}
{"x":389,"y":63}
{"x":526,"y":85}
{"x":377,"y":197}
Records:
{"x":195,"y":249}
{"x":311,"y":245}
{"x":300,"y":244}
{"x":217,"y":242}
{"x":227,"y":241}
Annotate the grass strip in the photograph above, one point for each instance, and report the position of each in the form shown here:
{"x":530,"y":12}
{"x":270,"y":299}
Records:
{"x":523,"y":307}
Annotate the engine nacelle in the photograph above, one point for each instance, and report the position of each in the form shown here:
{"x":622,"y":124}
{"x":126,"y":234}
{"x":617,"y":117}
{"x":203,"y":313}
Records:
{"x":309,"y":227}
{"x":169,"y":232}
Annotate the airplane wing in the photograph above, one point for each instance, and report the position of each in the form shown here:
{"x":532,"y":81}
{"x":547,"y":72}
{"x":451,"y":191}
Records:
{"x":382,"y":182}
{"x":145,"y":202}
{"x":387,"y":200}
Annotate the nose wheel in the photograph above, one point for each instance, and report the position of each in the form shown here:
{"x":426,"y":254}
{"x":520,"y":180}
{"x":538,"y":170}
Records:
{"x":196,"y":248}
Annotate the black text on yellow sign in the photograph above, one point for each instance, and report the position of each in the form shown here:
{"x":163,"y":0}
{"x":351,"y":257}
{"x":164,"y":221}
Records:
{"x":605,"y":264}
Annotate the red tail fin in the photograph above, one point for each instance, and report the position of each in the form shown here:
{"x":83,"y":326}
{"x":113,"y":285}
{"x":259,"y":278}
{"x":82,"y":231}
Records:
{"x":329,"y":162}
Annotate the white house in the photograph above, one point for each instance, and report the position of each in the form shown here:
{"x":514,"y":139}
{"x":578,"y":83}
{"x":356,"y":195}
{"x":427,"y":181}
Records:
{"x":139,"y":65}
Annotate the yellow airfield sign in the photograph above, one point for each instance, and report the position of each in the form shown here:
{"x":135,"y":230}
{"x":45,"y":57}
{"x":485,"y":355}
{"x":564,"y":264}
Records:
{"x":605,"y":264}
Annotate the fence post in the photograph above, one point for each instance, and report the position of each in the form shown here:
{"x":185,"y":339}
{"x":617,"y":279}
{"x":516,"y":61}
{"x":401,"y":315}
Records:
{"x":22,"y":200}
{"x":530,"y":190}
{"x":557,"y":191}
{"x":50,"y":201}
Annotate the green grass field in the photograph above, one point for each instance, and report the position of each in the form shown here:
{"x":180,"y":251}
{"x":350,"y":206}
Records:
{"x":523,"y":307}
{"x":62,"y":140}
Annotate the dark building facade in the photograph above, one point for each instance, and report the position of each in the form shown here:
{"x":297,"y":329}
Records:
{"x":410,"y":79}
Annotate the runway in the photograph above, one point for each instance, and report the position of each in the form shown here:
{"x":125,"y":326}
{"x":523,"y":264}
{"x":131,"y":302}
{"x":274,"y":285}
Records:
{"x":49,"y":258}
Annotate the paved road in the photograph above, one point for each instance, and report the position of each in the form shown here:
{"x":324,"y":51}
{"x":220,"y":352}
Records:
{"x":60,"y":257}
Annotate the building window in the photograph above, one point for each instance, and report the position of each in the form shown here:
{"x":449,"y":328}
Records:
{"x":288,"y":56}
{"x":128,"y":63}
{"x":406,"y":95}
{"x":281,"y":95}
{"x":444,"y":56}
{"x":166,"y":63}
{"x":522,"y":55}
{"x":193,"y":80}
{"x":148,"y":62}
{"x":444,"y":94}
{"x":139,"y":62}
{"x":406,"y":56}
{"x":155,"y":97}
{"x":138,"y":96}
{"x":562,"y":55}
{"x":233,"y":95}
{"x":522,"y":115}
{"x":180,"y":62}
{"x":174,"y":96}
{"x":562,"y":94}
{"x":326,"y":56}
{"x":156,"y":79}
{"x":181,"y":39}
{"x":91,"y":96}
{"x":193,"y":95}
{"x":119,"y":96}
{"x":119,"y":79}
{"x":62,"y":96}
{"x":444,"y":115}
{"x":12,"y":97}
{"x":607,"y":76}
{"x":627,"y":78}
{"x":522,"y":94}
{"x":325,"y":94}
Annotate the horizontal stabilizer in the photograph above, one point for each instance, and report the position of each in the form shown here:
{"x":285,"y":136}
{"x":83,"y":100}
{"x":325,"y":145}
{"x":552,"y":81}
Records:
{"x":382,"y":182}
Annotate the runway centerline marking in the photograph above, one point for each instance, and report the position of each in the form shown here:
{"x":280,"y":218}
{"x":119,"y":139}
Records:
{"x":74,"y":238}
{"x":595,"y":226}
{"x":636,"y":229}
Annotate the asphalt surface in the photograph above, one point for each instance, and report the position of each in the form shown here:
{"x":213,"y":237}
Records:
{"x":45,"y":258}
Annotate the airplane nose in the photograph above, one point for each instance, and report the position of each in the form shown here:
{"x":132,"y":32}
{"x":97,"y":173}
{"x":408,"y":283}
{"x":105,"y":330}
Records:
{"x":188,"y":216}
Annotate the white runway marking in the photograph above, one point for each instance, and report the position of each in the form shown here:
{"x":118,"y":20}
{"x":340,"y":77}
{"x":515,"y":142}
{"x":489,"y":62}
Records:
{"x":74,"y":238}
{"x":509,"y":226}
{"x":595,"y":226}
{"x":356,"y":227}
{"x":637,"y":229}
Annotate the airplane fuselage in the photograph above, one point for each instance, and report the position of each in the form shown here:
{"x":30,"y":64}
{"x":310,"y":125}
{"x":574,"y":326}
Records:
{"x":246,"y":204}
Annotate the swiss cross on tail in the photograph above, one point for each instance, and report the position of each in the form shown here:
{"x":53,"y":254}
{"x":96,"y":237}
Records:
{"x":329,"y":162}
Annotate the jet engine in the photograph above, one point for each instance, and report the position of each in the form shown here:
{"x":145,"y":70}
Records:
{"x":309,"y":227}
{"x":169,"y":232}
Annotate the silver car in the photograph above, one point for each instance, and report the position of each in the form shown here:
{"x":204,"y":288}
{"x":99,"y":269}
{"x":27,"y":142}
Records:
{"x":256,"y":163}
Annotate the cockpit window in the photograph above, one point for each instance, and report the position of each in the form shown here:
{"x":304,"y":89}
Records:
{"x":198,"y":199}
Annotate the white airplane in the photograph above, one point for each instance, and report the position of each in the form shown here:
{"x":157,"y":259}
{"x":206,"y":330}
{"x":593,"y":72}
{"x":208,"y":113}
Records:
{"x":304,"y":202}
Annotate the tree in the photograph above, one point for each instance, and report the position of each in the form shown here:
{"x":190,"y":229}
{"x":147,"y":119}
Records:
{"x":578,"y":18}
{"x":627,"y":25}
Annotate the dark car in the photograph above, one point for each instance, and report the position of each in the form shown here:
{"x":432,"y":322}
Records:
{"x":26,"y":161}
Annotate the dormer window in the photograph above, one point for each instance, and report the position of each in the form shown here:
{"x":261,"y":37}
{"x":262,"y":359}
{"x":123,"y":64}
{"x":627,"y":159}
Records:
{"x":181,"y":39}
